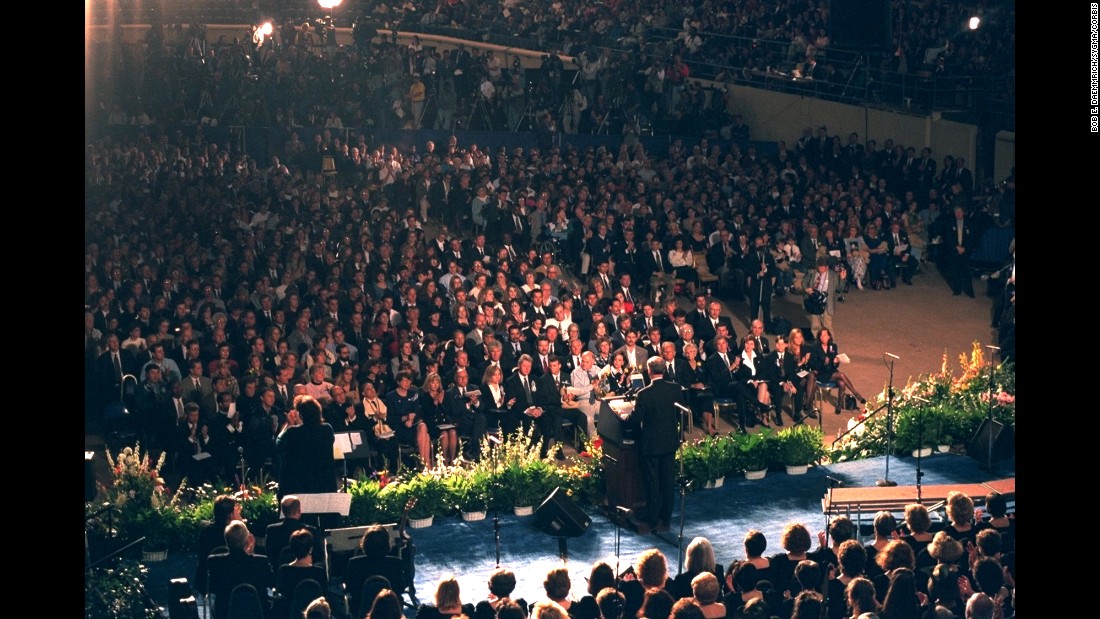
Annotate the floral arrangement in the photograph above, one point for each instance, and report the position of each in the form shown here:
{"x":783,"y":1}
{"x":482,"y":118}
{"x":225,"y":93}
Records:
{"x":144,"y":507}
{"x":136,"y":483}
{"x":957,"y":403}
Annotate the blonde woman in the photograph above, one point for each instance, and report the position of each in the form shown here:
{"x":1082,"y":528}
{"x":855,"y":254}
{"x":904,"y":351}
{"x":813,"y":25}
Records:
{"x":434,"y":408}
{"x":448,"y":602}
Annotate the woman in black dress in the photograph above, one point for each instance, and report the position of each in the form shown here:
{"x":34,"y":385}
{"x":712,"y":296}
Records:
{"x":406,"y":417}
{"x":796,"y":541}
{"x":436,"y":412}
{"x":806,"y":385}
{"x":827,"y":368}
{"x":692,"y":377}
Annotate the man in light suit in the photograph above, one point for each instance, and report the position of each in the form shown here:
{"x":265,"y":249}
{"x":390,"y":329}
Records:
{"x":822,"y":279}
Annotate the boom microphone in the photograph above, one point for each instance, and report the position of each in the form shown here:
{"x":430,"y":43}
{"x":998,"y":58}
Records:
{"x":893,"y":356}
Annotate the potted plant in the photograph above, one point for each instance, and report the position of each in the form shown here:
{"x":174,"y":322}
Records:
{"x":535,"y":480}
{"x":756,"y":453}
{"x":703,"y":462}
{"x":161,"y":526}
{"x":432,"y":498}
{"x":799,"y":447}
{"x":469,"y":490}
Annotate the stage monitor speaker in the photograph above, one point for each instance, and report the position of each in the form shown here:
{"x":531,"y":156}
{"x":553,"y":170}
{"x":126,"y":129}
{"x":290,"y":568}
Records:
{"x":860,"y":24}
{"x":560,"y":516}
{"x":1001,"y":436}
{"x":89,"y":476}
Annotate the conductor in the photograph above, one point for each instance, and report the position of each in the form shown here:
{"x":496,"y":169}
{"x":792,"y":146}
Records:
{"x":307,"y":463}
{"x":656,"y":409}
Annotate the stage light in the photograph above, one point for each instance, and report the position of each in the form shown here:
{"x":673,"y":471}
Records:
{"x":974,"y":22}
{"x":328,"y":5}
{"x":261,"y":32}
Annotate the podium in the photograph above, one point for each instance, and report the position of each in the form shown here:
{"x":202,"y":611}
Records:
{"x":621,"y":468}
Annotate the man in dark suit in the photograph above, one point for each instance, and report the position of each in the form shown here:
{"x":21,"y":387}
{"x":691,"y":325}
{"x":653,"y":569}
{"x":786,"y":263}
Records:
{"x":305,"y":451}
{"x":720,"y":371}
{"x":698,"y":313}
{"x":625,"y":254}
{"x":761,"y":269}
{"x":111,"y":365}
{"x":599,"y":247}
{"x":721,"y":260}
{"x":465,"y":410}
{"x":899,"y":257}
{"x":238,"y":566}
{"x":278,"y":533}
{"x":654,"y":267}
{"x":514,"y":348}
{"x":756,"y":333}
{"x":961,"y":242}
{"x":707,"y":328}
{"x":657,"y":414}
{"x":521,"y":390}
{"x":548,"y":397}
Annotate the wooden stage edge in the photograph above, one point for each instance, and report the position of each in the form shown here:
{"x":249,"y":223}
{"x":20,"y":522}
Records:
{"x":895,"y":498}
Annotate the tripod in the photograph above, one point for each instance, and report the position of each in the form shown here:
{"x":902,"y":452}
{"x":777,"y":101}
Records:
{"x":495,"y":443}
{"x":989,"y":414}
{"x":920,"y":442}
{"x":424,"y":111}
{"x":479,"y":108}
{"x":885,"y":481}
{"x":683,"y":483}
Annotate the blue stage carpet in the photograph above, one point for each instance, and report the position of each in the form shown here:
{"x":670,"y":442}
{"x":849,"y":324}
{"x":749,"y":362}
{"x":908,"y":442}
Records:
{"x":722,"y":515}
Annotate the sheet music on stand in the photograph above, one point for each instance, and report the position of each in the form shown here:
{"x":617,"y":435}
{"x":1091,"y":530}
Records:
{"x":326,"y":503}
{"x":346,"y":442}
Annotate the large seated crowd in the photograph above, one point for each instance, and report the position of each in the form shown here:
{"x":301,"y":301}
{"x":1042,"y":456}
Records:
{"x":918,"y":568}
{"x":241,"y":284}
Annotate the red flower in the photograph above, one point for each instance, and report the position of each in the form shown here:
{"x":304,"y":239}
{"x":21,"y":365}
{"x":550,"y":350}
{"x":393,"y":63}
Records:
{"x":585,"y":454}
{"x":598,"y":443}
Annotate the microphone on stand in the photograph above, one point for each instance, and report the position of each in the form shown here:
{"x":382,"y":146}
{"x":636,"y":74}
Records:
{"x":833,"y":481}
{"x":893,"y":356}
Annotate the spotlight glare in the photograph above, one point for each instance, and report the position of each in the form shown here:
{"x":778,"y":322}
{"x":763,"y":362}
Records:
{"x":974,"y":23}
{"x":266,"y":29}
{"x":329,"y":4}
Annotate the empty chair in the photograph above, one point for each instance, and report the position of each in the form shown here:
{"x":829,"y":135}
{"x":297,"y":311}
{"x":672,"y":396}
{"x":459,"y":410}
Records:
{"x":245,"y":603}
{"x":306,"y":591}
{"x":371,"y":587}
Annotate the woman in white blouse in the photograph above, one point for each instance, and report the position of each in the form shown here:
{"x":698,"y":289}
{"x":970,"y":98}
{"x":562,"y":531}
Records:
{"x":683,"y":262}
{"x":382,"y":437}
{"x":751,"y":374}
